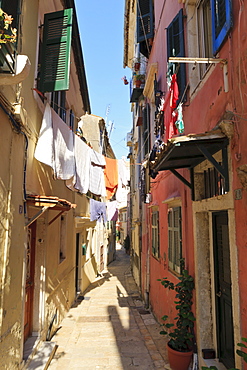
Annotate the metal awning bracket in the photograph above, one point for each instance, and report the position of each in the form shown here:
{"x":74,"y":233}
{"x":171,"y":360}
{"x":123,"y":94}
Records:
{"x":222,"y":169}
{"x":186,"y":182}
{"x":180,"y":177}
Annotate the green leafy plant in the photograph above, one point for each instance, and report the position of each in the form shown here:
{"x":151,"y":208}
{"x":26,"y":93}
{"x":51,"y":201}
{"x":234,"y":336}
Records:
{"x":181,"y":337}
{"x":139,"y":77}
{"x":7,"y":33}
{"x":241,"y":353}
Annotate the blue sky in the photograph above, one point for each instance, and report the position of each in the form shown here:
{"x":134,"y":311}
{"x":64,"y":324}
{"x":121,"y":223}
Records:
{"x":101,"y":25}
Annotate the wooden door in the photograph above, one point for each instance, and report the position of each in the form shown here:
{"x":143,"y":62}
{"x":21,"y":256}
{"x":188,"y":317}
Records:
{"x":223,"y":297}
{"x":30,"y":260}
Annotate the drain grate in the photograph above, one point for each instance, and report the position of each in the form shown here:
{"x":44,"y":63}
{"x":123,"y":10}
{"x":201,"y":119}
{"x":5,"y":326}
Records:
{"x":94,"y":319}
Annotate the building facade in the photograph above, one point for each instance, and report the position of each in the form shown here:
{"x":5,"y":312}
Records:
{"x":51,"y":246}
{"x":188,"y":134}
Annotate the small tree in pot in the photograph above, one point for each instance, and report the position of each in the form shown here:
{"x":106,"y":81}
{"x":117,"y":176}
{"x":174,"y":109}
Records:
{"x":181,"y":337}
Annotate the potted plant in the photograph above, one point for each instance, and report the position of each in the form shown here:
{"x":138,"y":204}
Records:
{"x":136,"y":64}
{"x":181,"y":335}
{"x":139,"y":79}
{"x":7,"y":33}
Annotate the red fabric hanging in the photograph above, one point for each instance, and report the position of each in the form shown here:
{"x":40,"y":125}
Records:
{"x":169,"y":106}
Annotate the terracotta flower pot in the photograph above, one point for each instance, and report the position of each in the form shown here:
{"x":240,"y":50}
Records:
{"x":178,"y":360}
{"x":138,"y":84}
{"x":137,"y":66}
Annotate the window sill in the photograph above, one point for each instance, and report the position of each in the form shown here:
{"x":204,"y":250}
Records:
{"x":156,"y":258}
{"x":173,"y":272}
{"x":22,"y":71}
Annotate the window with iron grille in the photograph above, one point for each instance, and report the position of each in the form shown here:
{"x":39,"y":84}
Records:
{"x":174,"y":239}
{"x":214,"y":183}
{"x":155,"y":234}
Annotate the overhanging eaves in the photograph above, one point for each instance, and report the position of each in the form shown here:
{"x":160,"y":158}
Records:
{"x":47,"y":202}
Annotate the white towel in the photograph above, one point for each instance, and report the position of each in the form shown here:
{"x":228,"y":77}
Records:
{"x":80,"y":182}
{"x":122,"y":172}
{"x":112,"y":210}
{"x":64,"y":159}
{"x":97,"y":179}
{"x":44,"y":151}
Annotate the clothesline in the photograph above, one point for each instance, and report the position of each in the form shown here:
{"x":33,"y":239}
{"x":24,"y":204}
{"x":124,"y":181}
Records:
{"x":72,"y":160}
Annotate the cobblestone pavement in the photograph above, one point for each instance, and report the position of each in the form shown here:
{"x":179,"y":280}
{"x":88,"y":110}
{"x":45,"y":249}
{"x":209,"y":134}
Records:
{"x":109,"y":327}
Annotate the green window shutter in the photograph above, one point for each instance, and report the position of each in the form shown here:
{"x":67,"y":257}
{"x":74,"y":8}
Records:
{"x":55,"y":62}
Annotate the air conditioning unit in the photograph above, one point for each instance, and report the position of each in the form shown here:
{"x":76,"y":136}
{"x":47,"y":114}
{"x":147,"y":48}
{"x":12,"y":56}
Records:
{"x":20,"y":114}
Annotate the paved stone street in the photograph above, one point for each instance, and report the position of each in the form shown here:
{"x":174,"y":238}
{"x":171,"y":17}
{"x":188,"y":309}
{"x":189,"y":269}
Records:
{"x":110,"y":328}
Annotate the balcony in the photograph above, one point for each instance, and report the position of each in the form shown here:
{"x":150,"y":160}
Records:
{"x":7,"y":58}
{"x":13,"y":68}
{"x":136,"y":88}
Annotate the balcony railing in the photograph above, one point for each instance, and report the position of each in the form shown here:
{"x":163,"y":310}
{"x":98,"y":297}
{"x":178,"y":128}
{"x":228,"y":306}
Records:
{"x":7,"y":58}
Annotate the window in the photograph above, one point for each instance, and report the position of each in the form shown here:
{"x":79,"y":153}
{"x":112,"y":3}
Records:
{"x":174,"y":239}
{"x":155,"y":234}
{"x":204,"y":25}
{"x":55,"y":59}
{"x":145,"y":25}
{"x":71,"y":120}
{"x":63,"y":226}
{"x":58,"y":100}
{"x":175,"y":48}
{"x":221,"y":22}
{"x":146,"y":130}
{"x":8,"y":50}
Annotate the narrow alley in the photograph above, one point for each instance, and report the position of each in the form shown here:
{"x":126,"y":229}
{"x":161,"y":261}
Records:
{"x":109,"y":328}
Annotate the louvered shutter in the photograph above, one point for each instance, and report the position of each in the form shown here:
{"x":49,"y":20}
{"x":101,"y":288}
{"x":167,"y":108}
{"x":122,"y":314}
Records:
{"x":170,"y":240}
{"x":146,"y":129}
{"x":221,"y":21}
{"x":174,"y":239}
{"x":175,"y":48}
{"x":177,"y":238}
{"x":54,"y":74}
{"x":145,"y":22}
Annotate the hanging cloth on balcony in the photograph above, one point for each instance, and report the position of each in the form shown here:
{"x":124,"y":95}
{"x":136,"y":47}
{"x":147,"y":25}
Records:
{"x":111,"y":177}
{"x":44,"y":151}
{"x":96,"y":174}
{"x":169,"y":108}
{"x":97,"y":211}
{"x":64,"y":159}
{"x":80,"y":182}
